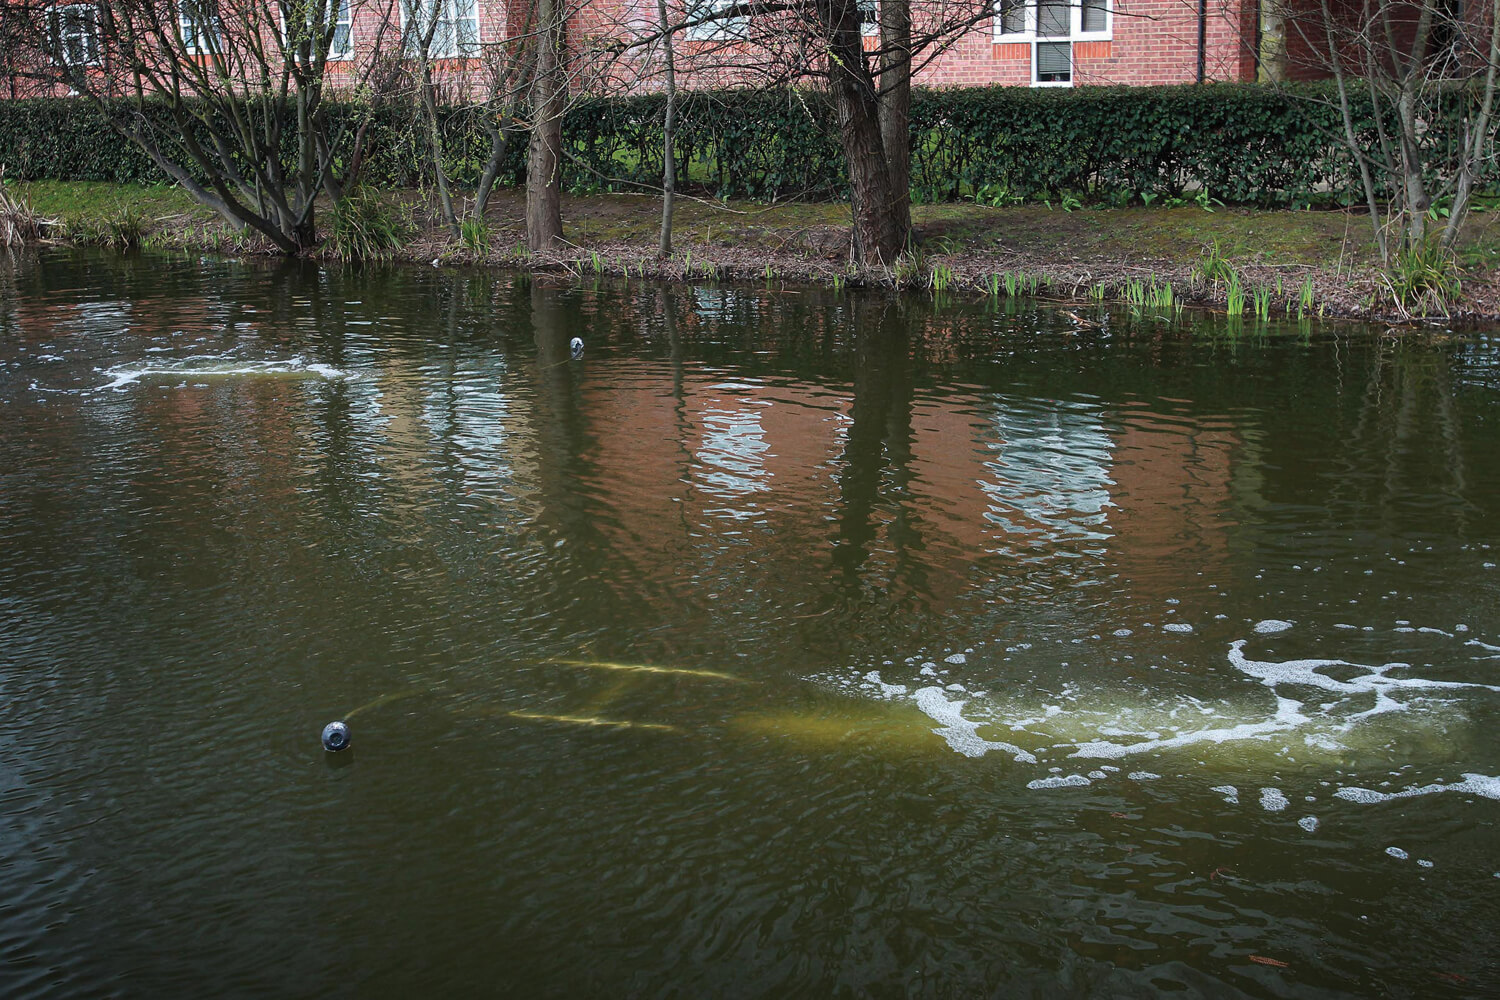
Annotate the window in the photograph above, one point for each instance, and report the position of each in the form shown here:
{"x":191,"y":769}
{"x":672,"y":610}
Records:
{"x":718,"y":29}
{"x":1094,"y":20}
{"x":198,"y":20}
{"x":341,"y":46}
{"x":1051,"y":27}
{"x":1054,"y":62}
{"x":869,"y":17}
{"x":1012,"y":17}
{"x":457,"y":31}
{"x":75,"y":32}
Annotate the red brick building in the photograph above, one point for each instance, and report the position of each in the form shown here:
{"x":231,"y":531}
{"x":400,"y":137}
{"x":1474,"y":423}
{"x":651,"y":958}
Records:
{"x":1024,"y":43}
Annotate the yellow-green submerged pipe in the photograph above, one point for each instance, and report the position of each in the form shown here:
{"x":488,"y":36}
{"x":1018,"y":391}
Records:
{"x":589,"y":720}
{"x":646,"y":668}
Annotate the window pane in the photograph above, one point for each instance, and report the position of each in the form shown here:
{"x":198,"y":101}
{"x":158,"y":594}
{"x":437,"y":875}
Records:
{"x":1054,"y":62}
{"x":199,"y":21}
{"x":1094,"y":15}
{"x":1012,"y":16}
{"x":74,"y":29}
{"x":465,"y":27}
{"x":1052,"y":19}
{"x":418,"y":15}
{"x":729,"y":27}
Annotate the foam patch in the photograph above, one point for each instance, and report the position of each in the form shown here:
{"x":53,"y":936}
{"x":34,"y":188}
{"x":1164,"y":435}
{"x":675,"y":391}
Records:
{"x":1473,"y":784}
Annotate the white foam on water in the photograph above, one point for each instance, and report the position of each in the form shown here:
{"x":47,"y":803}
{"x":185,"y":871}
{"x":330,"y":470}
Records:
{"x":1423,"y":863}
{"x":1271,"y":625}
{"x":957,"y":659}
{"x":1230,"y":793}
{"x":1288,"y":717}
{"x":1177,"y":627}
{"x":1273,"y":800}
{"x":1082,"y":722}
{"x":1060,"y":781}
{"x":1375,"y":681}
{"x":960,"y":733}
{"x":887,"y":691}
{"x":1397,"y":853}
{"x":211,"y":366}
{"x":1308,"y":823}
{"x":1473,"y":784}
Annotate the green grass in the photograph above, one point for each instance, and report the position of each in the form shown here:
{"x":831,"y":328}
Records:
{"x":99,"y":201}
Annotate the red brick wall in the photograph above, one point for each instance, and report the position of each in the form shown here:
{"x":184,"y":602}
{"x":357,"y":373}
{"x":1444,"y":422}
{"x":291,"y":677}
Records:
{"x":1153,"y":42}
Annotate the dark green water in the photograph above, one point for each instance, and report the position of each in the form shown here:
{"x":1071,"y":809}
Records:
{"x":998,"y":657}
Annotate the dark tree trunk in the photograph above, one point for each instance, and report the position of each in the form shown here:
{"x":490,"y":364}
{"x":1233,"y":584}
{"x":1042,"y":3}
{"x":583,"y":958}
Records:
{"x":668,"y":134}
{"x":544,"y":155}
{"x":895,"y":102}
{"x":879,"y":236}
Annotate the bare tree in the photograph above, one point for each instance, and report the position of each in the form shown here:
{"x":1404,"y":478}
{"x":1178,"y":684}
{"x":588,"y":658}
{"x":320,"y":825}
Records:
{"x":865,"y":52}
{"x":1415,"y":87}
{"x":456,"y":73}
{"x":226,"y":97}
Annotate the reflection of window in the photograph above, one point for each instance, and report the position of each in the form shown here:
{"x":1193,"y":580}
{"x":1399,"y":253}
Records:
{"x":341,"y":46}
{"x":718,"y":28}
{"x":1051,"y":27}
{"x":456,"y":32}
{"x":199,"y":22}
{"x":75,"y":29}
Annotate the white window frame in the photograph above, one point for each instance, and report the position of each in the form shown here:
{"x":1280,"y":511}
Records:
{"x":87,"y":35}
{"x":343,"y":19}
{"x":1028,"y":35}
{"x":446,"y":11}
{"x":195,"y":20}
{"x":869,"y":26}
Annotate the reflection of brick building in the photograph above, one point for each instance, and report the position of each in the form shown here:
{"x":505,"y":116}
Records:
{"x":1173,"y":507}
{"x":735,"y":469}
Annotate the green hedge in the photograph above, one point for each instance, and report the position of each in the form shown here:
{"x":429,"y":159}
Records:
{"x":1245,"y":143}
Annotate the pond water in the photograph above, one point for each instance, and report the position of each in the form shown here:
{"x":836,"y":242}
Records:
{"x":785,"y":644}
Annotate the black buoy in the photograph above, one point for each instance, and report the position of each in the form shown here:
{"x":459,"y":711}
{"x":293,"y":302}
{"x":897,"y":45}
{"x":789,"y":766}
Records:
{"x":576,"y":346}
{"x":335,"y":737}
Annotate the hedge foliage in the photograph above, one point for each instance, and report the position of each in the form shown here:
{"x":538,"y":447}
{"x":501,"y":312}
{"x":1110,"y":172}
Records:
{"x":1244,"y":143}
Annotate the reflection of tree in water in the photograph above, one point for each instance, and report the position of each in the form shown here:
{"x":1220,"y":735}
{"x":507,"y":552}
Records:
{"x":878,"y":453}
{"x":1405,"y":450}
{"x":562,"y":431}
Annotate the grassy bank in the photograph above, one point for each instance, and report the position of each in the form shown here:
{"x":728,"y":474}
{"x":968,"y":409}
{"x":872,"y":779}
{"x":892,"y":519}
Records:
{"x":1307,"y":262}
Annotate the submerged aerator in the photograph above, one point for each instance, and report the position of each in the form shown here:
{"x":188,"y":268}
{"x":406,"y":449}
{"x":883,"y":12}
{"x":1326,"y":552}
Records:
{"x":335,"y":737}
